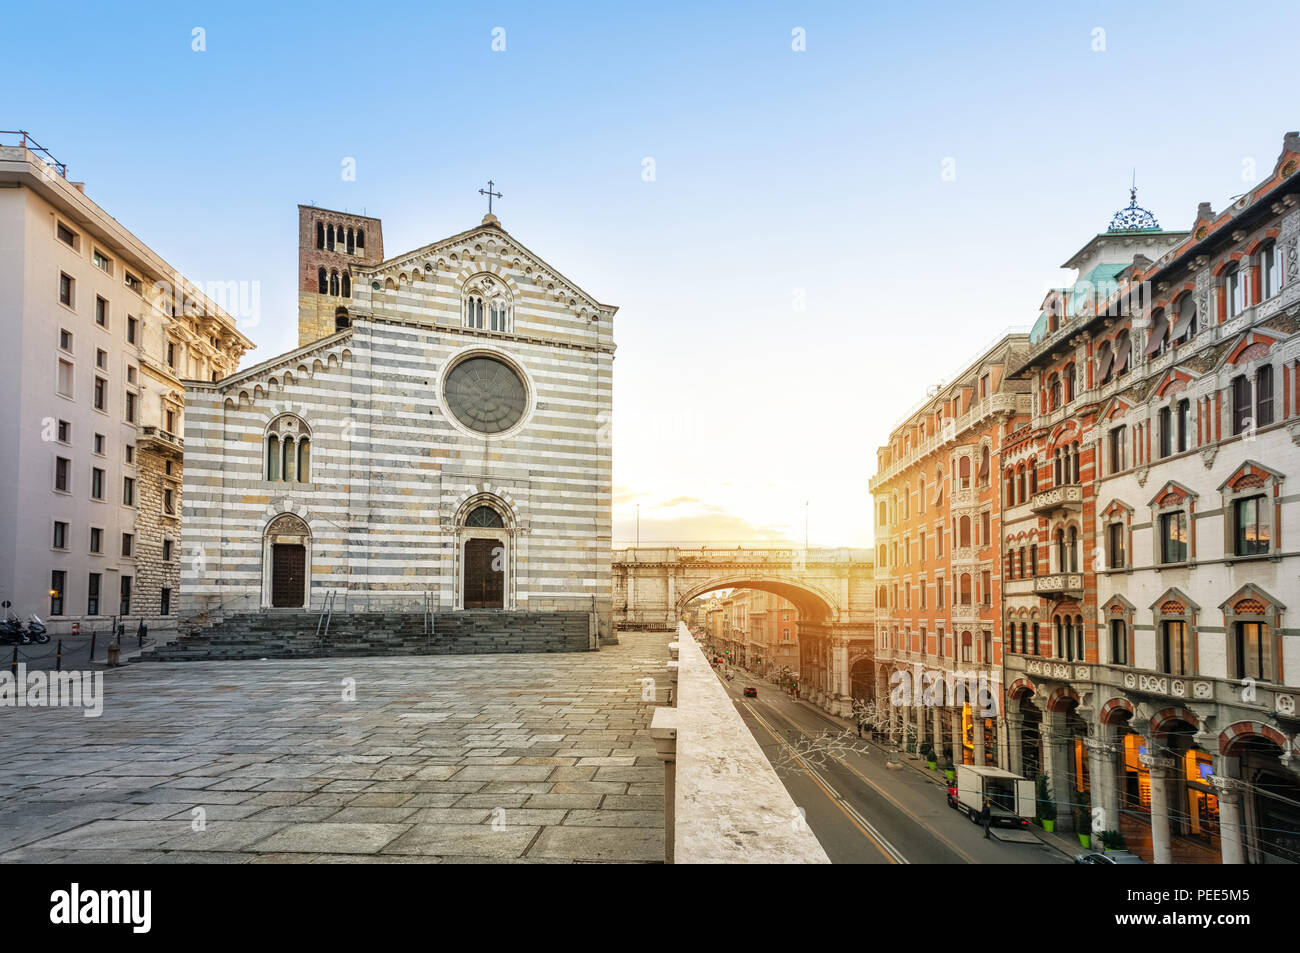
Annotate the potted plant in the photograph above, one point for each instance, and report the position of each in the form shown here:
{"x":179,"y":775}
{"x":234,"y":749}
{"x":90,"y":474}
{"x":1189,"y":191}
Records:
{"x":927,"y":751}
{"x":1046,"y":806}
{"x":1081,"y":826}
{"x":949,"y":769}
{"x":1113,"y":840}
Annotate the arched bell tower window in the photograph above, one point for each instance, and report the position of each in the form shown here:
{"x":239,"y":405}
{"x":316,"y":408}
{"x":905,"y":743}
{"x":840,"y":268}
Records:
{"x":322,"y":281}
{"x":486,"y":304}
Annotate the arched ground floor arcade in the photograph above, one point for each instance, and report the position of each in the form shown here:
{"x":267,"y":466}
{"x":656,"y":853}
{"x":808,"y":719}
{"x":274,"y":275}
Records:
{"x":1184,"y":782}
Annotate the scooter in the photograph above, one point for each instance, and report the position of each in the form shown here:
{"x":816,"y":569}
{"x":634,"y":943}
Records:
{"x":36,"y":629}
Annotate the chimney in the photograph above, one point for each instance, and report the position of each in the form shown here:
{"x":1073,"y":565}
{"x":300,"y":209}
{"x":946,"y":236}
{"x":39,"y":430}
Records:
{"x":1204,"y":210}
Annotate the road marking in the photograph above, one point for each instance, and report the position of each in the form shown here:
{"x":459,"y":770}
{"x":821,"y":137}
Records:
{"x":875,"y":787}
{"x":892,"y":800}
{"x":868,"y":831}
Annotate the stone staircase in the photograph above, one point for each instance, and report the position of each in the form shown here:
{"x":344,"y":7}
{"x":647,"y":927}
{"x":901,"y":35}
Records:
{"x":286,"y":634}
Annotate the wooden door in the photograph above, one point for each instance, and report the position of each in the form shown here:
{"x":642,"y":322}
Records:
{"x":484,"y":574}
{"x":288,"y":571}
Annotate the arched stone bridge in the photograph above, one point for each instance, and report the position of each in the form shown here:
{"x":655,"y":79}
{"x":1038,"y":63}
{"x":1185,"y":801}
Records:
{"x":832,"y":589}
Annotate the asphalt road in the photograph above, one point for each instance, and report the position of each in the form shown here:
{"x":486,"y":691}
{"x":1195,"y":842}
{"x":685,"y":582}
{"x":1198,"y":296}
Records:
{"x":861,"y":811}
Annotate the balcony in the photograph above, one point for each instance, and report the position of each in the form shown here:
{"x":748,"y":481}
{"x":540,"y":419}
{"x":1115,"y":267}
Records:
{"x":966,"y":613}
{"x":160,"y":441}
{"x":1068,"y":497}
{"x":1060,"y":584}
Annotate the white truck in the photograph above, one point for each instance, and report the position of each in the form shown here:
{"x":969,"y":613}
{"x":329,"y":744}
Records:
{"x":1010,"y":797}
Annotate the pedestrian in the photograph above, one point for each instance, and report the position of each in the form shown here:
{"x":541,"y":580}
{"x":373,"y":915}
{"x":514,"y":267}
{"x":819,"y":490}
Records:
{"x":986,"y":817}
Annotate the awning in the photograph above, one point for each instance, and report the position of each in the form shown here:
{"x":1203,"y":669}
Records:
{"x":1123,"y":349}
{"x":1107,"y":359}
{"x":1186,"y":317}
{"x":1158,"y":332}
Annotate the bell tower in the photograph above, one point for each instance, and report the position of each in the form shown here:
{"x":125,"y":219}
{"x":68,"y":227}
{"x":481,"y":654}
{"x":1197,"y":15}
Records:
{"x":330,"y":246}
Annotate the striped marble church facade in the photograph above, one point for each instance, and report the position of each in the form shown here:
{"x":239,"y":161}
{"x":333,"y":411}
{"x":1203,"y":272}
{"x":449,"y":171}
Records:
{"x":447,"y":448}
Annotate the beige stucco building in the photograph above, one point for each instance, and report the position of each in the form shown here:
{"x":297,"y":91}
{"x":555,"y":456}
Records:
{"x":99,"y":331}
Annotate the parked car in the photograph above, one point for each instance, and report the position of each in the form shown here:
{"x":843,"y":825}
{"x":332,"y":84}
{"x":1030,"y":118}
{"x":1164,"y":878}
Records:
{"x":751,"y":691}
{"x":952,"y":794}
{"x":1108,"y":857}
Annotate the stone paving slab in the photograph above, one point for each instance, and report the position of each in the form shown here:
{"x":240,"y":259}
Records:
{"x":438,"y":759}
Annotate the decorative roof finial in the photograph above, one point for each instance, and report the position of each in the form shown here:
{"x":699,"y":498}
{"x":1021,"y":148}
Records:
{"x":1134,"y":218}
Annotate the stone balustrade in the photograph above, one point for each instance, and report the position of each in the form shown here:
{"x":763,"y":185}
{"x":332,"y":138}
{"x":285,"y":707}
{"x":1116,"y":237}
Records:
{"x":723,"y":800}
{"x":1067,"y":496}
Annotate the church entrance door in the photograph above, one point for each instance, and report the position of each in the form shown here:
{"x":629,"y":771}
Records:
{"x":288,"y":570}
{"x":484,"y":574}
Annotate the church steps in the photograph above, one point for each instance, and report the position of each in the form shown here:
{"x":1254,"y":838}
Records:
{"x":278,"y":634}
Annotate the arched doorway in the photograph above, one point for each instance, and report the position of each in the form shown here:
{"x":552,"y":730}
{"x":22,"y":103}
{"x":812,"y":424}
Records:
{"x":862,"y":679}
{"x":286,"y":561}
{"x":483,"y":548}
{"x":1031,"y":736}
{"x":1270,"y":803}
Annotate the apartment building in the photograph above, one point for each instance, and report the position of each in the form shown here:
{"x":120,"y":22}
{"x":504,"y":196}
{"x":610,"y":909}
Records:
{"x":101,"y":334}
{"x":938,"y":576}
{"x":1168,"y":675}
{"x":1145,"y":535}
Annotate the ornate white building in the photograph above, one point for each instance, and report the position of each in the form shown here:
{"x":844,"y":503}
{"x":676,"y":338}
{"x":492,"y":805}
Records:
{"x":448,"y":448}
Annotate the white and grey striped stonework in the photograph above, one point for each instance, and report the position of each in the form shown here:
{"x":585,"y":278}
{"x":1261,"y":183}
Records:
{"x":392,"y":474}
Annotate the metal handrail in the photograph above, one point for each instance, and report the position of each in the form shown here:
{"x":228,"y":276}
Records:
{"x":31,"y":145}
{"x":327,"y":613}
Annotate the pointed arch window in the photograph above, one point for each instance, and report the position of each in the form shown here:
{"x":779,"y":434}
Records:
{"x":1123,"y":353}
{"x":1234,"y":291}
{"x":1264,"y":396}
{"x":1270,"y":270}
{"x":1185,"y":329}
{"x":486,"y":304}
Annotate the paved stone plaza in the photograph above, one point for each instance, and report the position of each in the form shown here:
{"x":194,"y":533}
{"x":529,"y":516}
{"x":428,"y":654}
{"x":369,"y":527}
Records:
{"x":499,"y":758}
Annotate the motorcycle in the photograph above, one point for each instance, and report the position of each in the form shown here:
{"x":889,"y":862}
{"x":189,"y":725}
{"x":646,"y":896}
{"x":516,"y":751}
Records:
{"x":11,"y":631}
{"x":36,"y":629}
{"x":14,"y":632}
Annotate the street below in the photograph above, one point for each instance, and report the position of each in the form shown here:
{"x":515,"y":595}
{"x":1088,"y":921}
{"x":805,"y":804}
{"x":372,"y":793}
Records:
{"x":862,"y":811}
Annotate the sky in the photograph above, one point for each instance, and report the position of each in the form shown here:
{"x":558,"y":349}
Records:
{"x":807,"y":213}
